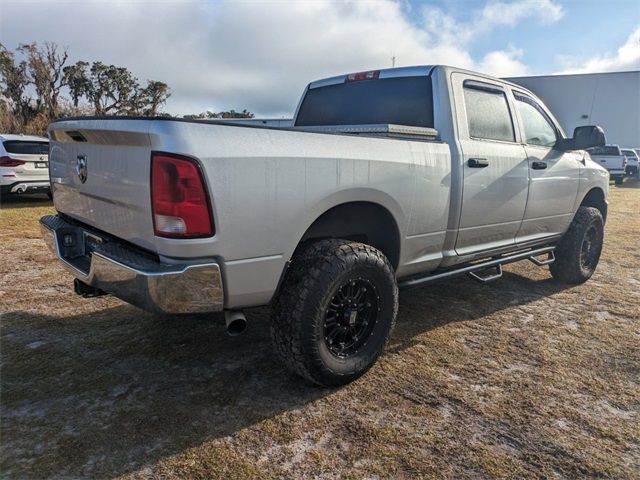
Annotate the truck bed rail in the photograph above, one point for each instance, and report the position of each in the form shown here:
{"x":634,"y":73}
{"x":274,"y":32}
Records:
{"x":376,"y":129}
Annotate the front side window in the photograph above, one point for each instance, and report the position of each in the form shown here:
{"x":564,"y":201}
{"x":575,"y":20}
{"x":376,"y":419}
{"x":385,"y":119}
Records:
{"x":488,"y":114}
{"x":536,"y":126}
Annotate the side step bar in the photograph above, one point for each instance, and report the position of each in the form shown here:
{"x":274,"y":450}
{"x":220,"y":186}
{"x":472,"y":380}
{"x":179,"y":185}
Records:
{"x":475,"y":269}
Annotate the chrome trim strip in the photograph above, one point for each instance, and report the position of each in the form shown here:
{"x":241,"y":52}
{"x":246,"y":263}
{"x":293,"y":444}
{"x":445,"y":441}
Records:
{"x":167,"y":289}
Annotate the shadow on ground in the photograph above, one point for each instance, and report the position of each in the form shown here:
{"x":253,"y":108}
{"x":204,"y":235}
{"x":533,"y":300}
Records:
{"x":629,"y":183}
{"x":25,"y":201}
{"x":108,"y":392}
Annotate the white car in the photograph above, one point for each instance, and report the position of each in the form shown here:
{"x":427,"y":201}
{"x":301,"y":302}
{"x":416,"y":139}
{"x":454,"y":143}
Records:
{"x":24,"y":164}
{"x":632,"y":161}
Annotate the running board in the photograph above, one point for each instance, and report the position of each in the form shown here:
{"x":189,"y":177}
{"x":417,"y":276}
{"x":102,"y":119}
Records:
{"x":474,"y":269}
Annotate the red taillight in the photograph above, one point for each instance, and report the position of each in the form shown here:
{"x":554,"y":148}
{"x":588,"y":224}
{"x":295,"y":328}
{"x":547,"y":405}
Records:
{"x":371,"y":75}
{"x":179,"y":198}
{"x":624,"y":161}
{"x":10,"y":162}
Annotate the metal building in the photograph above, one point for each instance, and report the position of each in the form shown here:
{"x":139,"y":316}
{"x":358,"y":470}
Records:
{"x":611,"y":100}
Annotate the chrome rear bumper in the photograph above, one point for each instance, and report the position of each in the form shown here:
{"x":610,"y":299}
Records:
{"x":131,"y":275}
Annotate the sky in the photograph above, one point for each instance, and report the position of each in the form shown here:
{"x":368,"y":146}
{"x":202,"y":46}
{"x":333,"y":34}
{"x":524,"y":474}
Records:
{"x":260,"y":54}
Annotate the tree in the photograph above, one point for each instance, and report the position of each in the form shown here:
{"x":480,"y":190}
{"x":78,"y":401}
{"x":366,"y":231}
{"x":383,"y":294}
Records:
{"x":233,"y":114}
{"x":227,"y":114}
{"x":152,"y":97}
{"x":77,"y":81}
{"x":14,"y":81}
{"x":45,"y":67}
{"x":114,"y":90}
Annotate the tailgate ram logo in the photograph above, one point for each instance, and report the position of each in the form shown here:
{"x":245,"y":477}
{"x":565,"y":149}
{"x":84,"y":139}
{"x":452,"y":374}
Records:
{"x":81,"y":168}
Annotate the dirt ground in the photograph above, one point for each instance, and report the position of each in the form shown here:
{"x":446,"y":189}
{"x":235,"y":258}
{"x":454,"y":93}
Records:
{"x":522,"y":377}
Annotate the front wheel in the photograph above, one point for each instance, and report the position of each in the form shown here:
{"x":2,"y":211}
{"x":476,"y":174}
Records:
{"x":578,"y":252}
{"x":335,"y":312}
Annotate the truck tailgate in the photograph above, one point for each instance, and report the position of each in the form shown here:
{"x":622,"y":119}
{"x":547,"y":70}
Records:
{"x":100,"y":176}
{"x":610,"y":162}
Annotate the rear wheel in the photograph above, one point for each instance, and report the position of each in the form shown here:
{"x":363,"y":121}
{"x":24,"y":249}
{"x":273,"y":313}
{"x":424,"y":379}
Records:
{"x":578,"y":252}
{"x":618,"y":179}
{"x":335,"y":312}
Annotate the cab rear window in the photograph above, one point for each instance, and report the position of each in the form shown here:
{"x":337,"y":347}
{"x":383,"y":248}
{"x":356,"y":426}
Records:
{"x":399,"y":100}
{"x":26,"y":148}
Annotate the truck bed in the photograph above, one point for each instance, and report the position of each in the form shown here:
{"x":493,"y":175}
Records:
{"x":275,"y":181}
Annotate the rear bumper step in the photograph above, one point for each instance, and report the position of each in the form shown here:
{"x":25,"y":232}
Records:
{"x":112,"y":267}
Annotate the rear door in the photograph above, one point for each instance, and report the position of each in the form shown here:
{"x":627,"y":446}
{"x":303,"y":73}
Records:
{"x":554,"y":175}
{"x":495,"y":170}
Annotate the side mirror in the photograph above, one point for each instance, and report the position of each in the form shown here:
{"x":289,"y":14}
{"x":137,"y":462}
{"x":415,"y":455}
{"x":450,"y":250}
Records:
{"x":584,"y":137}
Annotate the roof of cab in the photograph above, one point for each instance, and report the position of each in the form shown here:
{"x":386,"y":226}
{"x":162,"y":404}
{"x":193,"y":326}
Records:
{"x":384,"y":73}
{"x":411,"y":71}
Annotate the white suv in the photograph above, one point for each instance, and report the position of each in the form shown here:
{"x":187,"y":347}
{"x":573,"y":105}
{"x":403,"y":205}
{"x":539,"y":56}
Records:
{"x":24,"y":164}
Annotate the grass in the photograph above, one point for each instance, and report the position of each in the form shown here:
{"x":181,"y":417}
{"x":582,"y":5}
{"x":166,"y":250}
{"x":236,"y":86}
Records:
{"x":519,"y":378}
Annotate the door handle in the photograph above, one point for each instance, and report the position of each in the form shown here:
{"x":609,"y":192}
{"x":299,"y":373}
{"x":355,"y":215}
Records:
{"x":538,"y":165}
{"x":478,"y":162}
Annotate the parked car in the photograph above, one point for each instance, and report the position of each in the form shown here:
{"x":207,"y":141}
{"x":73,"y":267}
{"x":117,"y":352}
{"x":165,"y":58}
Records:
{"x":632,"y":162}
{"x":611,"y":158}
{"x":388,"y":178}
{"x":24,"y":164}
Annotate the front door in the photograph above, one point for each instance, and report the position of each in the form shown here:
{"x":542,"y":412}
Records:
{"x":554,"y":175}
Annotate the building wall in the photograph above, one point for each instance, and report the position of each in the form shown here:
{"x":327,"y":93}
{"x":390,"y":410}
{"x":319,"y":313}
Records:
{"x":611,"y":100}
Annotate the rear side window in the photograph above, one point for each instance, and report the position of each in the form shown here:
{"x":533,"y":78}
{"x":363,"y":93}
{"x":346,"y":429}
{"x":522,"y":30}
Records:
{"x":401,"y":100}
{"x":26,"y":148}
{"x":610,"y":151}
{"x":536,"y":125}
{"x":488,"y":113}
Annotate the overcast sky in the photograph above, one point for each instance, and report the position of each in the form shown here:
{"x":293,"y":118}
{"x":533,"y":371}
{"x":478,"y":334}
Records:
{"x":259,"y":55}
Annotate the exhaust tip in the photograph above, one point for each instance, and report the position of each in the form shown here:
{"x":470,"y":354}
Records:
{"x":236,"y":322}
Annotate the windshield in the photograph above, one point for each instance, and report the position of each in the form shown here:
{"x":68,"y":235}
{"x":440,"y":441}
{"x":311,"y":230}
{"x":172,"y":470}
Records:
{"x":399,"y":100}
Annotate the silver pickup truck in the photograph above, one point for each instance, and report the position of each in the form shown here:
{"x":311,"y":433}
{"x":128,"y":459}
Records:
{"x":387,"y":178}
